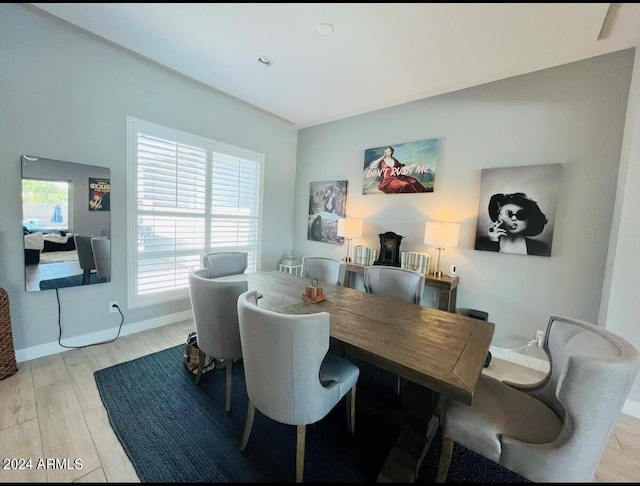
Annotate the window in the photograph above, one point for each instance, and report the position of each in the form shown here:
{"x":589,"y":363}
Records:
{"x":45,"y":205}
{"x":188,"y":195}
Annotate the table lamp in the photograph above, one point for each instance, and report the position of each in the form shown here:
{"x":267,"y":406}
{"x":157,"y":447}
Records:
{"x":441,"y":235}
{"x":349,"y":228}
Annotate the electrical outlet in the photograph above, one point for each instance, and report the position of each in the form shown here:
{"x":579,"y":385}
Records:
{"x":113,"y":309}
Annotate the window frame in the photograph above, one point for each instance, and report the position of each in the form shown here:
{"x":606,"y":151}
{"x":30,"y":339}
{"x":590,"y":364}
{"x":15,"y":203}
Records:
{"x":135,"y":126}
{"x":66,"y":216}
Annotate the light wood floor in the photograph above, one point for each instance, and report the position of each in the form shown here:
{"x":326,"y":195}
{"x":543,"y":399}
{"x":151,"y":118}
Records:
{"x":51,"y":410}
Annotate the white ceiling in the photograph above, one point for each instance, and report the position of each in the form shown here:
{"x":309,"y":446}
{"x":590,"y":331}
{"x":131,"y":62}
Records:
{"x":380,"y":54}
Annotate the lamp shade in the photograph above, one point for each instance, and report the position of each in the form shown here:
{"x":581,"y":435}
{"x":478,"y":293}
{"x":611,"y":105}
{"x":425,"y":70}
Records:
{"x":350,"y":227}
{"x":441,"y":234}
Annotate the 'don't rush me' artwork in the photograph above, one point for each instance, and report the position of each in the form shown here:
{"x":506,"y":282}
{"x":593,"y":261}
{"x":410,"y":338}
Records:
{"x":327,"y":204}
{"x":404,"y":168}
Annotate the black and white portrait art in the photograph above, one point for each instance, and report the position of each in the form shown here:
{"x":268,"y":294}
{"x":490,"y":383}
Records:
{"x":517,"y":209}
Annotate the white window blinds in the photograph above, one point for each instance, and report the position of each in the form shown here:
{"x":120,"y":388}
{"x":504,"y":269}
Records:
{"x":191,"y":196}
{"x":234,"y":206}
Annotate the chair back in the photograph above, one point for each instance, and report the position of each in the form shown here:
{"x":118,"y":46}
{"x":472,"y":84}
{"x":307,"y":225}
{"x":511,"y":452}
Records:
{"x":105,"y":232}
{"x":327,"y":270}
{"x":394,"y":282}
{"x":215,"y":315}
{"x":223,"y":264}
{"x":591,"y":373}
{"x":282,"y":354}
{"x":84,"y":251}
{"x":101,"y":248}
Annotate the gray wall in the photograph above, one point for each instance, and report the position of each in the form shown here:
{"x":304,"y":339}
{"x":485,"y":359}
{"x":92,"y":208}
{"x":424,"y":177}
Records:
{"x":66,"y":96}
{"x":620,"y":310}
{"x":573,"y":115}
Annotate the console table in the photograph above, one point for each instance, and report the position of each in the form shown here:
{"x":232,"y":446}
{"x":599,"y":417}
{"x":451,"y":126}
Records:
{"x":447,"y":286}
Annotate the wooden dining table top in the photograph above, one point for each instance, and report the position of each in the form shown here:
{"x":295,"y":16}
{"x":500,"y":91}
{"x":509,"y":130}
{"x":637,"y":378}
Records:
{"x":439,"y":350}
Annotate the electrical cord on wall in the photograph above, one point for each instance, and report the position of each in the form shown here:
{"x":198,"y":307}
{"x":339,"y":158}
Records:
{"x":86,"y":345}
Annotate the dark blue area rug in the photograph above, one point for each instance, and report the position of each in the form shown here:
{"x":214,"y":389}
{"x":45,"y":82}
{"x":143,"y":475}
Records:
{"x":72,"y":281}
{"x":174,"y":431}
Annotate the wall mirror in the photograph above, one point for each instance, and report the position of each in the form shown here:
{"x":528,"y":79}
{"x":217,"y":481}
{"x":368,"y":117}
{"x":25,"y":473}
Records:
{"x":66,"y":223}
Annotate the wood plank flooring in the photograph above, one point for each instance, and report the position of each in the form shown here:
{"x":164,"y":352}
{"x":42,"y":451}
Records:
{"x":51,"y":409}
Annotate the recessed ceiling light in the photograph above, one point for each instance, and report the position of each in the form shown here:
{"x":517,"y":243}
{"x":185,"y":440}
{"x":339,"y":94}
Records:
{"x":265,"y":60}
{"x":325,"y":29}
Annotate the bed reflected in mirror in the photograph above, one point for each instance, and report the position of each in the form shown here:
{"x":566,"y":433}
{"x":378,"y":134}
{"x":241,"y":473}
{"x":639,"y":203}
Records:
{"x":66,"y":223}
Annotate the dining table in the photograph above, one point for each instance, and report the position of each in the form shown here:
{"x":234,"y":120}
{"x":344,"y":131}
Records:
{"x":439,"y":355}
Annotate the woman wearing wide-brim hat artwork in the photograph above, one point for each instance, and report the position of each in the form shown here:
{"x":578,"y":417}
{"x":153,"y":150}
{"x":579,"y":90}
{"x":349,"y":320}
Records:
{"x":515,"y":219}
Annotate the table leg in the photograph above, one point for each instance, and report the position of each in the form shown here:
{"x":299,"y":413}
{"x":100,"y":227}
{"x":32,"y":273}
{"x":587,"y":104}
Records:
{"x":347,"y":279}
{"x":447,"y":299}
{"x":421,"y":424}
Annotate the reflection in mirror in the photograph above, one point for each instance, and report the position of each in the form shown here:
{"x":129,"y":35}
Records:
{"x":66,"y":223}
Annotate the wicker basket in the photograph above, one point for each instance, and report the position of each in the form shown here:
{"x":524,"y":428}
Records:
{"x":8,"y":365}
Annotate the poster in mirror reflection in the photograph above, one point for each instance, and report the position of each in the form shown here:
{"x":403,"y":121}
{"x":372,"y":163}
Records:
{"x":66,"y":223}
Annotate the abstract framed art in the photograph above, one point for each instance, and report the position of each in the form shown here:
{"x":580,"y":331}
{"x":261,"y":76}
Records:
{"x":327,"y":204}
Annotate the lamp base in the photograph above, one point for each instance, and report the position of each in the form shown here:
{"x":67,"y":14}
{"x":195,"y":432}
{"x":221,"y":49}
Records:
{"x":437,"y":273}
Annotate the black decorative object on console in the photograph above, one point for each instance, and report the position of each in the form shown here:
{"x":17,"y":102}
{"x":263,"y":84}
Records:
{"x":389,"y":249}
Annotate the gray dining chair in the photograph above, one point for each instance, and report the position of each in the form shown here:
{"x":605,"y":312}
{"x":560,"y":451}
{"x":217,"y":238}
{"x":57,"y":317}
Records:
{"x":394,"y":282}
{"x":290,"y":376}
{"x":85,"y":256}
{"x":554,"y":430}
{"x":224,"y":263}
{"x":327,"y":270}
{"x":215,"y":315}
{"x":101,"y":248}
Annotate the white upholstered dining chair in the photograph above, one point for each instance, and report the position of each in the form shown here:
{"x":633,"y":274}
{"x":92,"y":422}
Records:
{"x":215,"y":316}
{"x":327,"y":270}
{"x":225,"y":263}
{"x":290,"y":377}
{"x":554,"y":430}
{"x":394,"y":282}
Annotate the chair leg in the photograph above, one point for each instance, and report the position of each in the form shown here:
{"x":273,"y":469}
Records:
{"x":300,"y":440}
{"x":351,"y":410}
{"x":227,"y":400}
{"x":251,"y":411}
{"x":201,"y":356}
{"x":445,"y":459}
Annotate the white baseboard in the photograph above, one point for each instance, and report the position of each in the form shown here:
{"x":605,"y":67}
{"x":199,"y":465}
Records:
{"x":532,"y":360}
{"x":631,"y":408}
{"x":48,"y":349}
